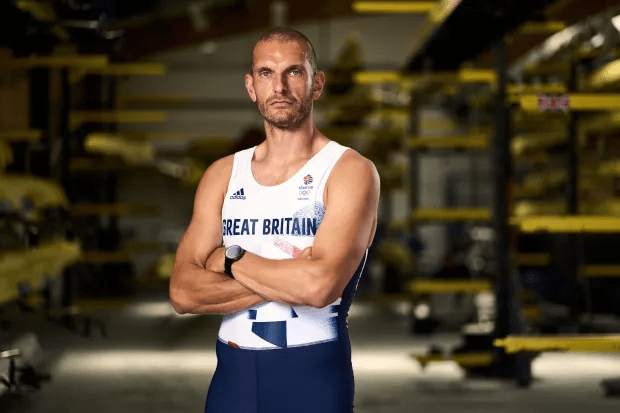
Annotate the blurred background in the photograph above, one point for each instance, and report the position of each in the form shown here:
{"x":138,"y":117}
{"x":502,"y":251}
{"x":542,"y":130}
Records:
{"x":493,"y":281}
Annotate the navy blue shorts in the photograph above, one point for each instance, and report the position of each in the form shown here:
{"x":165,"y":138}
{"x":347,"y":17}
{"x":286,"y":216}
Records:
{"x":311,"y":379}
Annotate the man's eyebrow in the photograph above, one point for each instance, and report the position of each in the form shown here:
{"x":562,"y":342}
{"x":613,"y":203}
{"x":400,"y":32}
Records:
{"x":288,"y":69}
{"x":295,"y":67}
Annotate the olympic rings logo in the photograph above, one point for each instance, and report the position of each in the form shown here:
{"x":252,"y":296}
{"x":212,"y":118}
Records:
{"x":304,"y":193}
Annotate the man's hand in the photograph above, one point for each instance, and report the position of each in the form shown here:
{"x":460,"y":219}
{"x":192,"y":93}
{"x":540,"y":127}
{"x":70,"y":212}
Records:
{"x":216,"y":260}
{"x":307,"y":253}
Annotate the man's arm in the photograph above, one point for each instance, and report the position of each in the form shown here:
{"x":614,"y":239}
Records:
{"x":339,"y":244}
{"x":193,"y":288}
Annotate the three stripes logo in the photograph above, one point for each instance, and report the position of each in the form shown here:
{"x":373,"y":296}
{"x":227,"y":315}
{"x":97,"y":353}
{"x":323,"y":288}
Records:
{"x":238,"y":195}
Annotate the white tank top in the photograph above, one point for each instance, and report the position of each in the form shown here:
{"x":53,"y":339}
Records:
{"x":278,"y":222}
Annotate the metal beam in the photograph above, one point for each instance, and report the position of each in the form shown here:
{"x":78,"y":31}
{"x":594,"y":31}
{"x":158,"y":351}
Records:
{"x":577,"y":102}
{"x":465,"y":360}
{"x":546,"y":27}
{"x":576,"y":343}
{"x":478,"y":76}
{"x":528,"y":142}
{"x":77,"y":118}
{"x":129,"y":69}
{"x":56,"y":61}
{"x":591,"y":271}
{"x":184,"y":102}
{"x":394,"y":7}
{"x":452,"y":214}
{"x":449,"y":286}
{"x":40,"y":10}
{"x":21,"y":135}
{"x":216,"y":141}
{"x":605,"y":76}
{"x":564,"y":224}
{"x":475,"y":141}
{"x":509,"y":317}
{"x":530,"y":208}
{"x":533,"y":259}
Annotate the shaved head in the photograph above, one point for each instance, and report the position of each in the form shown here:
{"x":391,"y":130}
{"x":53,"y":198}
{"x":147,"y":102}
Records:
{"x":284,"y":34}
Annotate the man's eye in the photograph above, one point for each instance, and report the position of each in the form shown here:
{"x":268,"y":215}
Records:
{"x":263,"y":74}
{"x":296,"y":72}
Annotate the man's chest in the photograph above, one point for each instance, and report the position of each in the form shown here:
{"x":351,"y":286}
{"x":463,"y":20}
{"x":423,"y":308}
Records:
{"x":272,"y":228}
{"x":270,"y":175}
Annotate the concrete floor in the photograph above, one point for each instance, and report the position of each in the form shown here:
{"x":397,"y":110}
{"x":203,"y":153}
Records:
{"x":155,"y":361}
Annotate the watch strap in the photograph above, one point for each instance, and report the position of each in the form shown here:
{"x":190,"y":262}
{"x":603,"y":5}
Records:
{"x":229,"y":261}
{"x":228,"y":267}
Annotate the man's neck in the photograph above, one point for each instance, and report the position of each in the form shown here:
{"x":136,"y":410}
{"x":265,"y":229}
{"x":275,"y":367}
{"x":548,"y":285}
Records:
{"x":282,"y":146}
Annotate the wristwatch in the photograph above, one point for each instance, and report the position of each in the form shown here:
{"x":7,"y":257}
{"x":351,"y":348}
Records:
{"x":232,"y":254}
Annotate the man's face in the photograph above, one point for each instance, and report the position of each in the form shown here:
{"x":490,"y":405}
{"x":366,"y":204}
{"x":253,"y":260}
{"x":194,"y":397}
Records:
{"x":281,"y":83}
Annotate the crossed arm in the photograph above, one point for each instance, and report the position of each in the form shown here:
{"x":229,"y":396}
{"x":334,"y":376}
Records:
{"x":316,"y":278}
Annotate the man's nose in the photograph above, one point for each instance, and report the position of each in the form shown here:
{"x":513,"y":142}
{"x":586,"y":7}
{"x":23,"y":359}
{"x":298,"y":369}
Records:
{"x":280,"y":85}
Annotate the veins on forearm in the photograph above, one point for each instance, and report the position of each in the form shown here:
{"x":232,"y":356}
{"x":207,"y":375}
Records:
{"x":230,"y":307}
{"x":267,"y":293}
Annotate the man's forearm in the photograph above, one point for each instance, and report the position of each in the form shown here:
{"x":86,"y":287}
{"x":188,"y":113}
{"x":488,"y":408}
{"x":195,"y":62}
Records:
{"x":290,"y":281}
{"x":230,"y":307}
{"x":200,"y":291}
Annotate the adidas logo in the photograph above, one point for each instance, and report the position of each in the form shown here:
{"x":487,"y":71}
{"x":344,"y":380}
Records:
{"x":238,"y":195}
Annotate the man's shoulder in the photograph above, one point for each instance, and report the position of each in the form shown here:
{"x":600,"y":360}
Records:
{"x":354,"y":178}
{"x":223,"y":163}
{"x":352,"y":161}
{"x":353,"y":164}
{"x":222,"y":166}
{"x":219,"y":172}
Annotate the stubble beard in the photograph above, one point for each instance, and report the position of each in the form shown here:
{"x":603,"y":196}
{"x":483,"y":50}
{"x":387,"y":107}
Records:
{"x":293,"y":118}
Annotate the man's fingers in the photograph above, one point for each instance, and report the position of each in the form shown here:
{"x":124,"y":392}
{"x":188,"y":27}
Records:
{"x":214,"y":259}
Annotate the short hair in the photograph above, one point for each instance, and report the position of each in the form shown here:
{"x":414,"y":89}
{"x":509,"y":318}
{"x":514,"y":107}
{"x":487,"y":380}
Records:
{"x":285,"y":34}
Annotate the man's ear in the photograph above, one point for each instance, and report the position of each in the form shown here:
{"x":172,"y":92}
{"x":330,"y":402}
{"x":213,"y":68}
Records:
{"x":249,"y":85}
{"x":318,"y":86}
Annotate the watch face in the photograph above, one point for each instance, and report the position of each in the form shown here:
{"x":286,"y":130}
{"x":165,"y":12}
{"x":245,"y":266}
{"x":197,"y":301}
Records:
{"x":233,"y":252}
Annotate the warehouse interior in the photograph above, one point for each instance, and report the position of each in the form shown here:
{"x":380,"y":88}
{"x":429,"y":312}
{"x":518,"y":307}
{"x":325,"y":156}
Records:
{"x":493,"y":283}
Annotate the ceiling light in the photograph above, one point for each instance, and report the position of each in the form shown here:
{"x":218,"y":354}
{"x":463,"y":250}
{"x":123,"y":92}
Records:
{"x":422,"y":311}
{"x":208,"y":48}
{"x":558,"y":40}
{"x":597,"y":41}
{"x":616,"y":22}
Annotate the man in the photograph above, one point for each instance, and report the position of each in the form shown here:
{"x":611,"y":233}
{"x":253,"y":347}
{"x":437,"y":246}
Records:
{"x":297,"y":214}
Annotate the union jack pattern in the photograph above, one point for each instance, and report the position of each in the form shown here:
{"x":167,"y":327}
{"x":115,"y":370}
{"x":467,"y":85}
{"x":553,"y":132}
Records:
{"x":287,"y":247}
{"x":553,"y":102}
